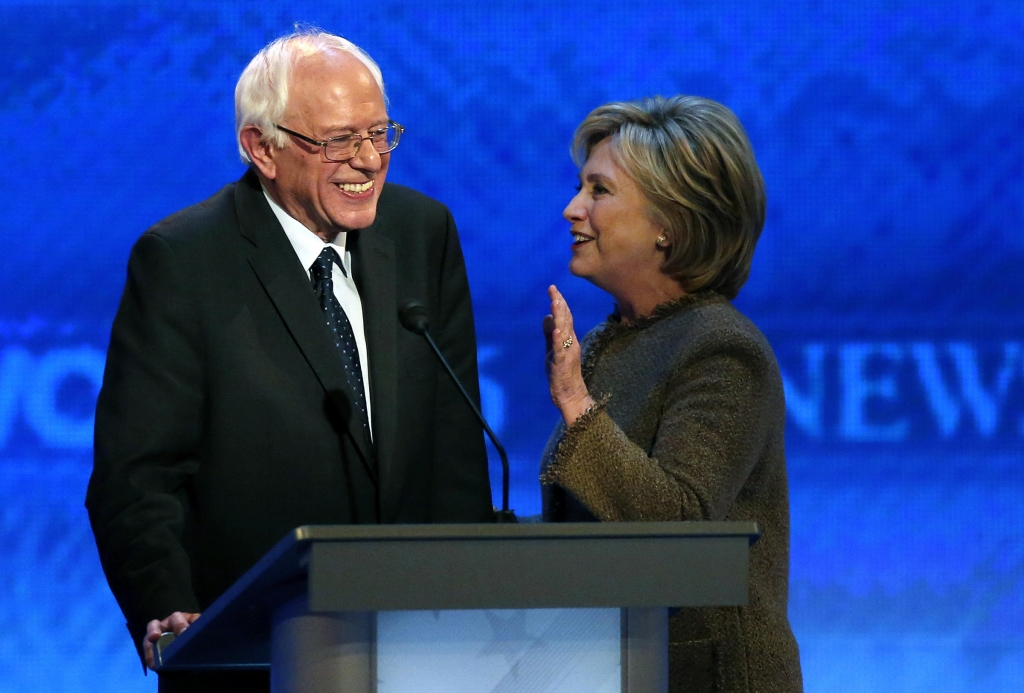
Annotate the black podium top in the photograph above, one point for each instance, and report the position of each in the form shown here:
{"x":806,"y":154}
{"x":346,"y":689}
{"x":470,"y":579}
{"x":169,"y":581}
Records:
{"x":439,"y":567}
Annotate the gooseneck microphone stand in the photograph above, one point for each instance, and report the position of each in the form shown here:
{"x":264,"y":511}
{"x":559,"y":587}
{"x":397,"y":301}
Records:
{"x":413,"y":316}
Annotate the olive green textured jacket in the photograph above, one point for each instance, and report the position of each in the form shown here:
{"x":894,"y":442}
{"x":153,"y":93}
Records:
{"x":689,"y":426}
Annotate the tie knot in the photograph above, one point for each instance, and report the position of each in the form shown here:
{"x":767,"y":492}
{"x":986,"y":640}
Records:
{"x":321,"y":268}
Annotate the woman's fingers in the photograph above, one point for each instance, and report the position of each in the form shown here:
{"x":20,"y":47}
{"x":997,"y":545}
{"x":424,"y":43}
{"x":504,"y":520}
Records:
{"x":549,"y":329}
{"x":564,"y":315}
{"x":563,"y":334}
{"x":565,"y":376}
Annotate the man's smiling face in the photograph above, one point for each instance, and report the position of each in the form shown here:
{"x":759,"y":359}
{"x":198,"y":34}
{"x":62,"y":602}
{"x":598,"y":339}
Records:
{"x":330,"y":94}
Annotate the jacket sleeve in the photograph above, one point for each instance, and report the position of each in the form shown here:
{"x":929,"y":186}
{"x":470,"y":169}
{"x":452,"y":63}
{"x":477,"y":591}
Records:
{"x":461,"y":491}
{"x":716,"y":416}
{"x":148,"y":424}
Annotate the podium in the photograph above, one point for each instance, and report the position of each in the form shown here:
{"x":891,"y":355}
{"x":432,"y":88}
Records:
{"x":313,"y":608}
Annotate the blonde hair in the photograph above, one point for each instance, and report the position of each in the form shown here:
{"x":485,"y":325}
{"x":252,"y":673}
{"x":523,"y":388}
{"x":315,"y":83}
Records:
{"x":261,"y":95}
{"x":693,"y":161}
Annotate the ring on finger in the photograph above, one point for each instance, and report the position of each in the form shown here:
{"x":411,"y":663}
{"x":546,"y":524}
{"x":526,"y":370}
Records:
{"x":567,"y":343}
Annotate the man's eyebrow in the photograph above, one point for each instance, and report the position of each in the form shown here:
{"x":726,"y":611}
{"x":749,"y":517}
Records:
{"x":342,"y":130}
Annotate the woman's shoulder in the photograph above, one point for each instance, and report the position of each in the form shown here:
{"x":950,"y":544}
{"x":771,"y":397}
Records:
{"x":693,"y":326}
{"x":719,"y":328}
{"x":721,"y":318}
{"x":704,"y":316}
{"x":667,"y":317}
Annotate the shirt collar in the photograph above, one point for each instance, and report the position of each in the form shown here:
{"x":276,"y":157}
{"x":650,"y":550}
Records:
{"x":307,"y":244}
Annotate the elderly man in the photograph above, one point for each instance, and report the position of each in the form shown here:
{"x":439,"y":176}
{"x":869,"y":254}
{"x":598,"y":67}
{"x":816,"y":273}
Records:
{"x":257,"y":377}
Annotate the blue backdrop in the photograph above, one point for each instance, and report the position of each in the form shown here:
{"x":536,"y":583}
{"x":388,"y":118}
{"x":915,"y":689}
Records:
{"x":888,"y":277}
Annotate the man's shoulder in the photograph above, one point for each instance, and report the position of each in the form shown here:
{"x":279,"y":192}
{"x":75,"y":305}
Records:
{"x":393,"y":193}
{"x":402,"y":201}
{"x":215,"y":215}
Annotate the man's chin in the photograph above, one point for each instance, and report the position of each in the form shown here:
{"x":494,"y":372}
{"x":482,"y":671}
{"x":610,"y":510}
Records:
{"x":353,"y":221}
{"x":354,"y":214}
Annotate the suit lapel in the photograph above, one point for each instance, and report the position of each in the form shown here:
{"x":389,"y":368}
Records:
{"x":375,"y":278}
{"x":284,"y":279}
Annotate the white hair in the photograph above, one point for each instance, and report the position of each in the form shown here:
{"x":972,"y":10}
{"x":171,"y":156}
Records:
{"x":261,"y":95}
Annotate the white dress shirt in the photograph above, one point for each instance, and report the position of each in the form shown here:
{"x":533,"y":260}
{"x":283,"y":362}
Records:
{"x":308,"y":247}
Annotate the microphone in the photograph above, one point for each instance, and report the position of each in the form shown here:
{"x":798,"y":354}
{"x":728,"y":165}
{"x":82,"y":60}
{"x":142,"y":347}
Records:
{"x":413,"y":316}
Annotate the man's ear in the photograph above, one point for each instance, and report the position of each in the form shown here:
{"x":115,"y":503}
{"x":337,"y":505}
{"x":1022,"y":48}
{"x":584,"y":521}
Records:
{"x":260,"y":151}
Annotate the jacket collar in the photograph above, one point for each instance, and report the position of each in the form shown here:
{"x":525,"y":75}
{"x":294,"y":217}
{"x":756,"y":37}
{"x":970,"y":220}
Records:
{"x":285,"y":280}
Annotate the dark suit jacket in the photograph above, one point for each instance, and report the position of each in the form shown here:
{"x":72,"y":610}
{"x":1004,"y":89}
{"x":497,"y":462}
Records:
{"x":223,"y":421}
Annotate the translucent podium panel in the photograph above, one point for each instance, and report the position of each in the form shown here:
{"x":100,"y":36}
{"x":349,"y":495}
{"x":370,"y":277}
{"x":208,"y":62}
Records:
{"x":500,"y":651}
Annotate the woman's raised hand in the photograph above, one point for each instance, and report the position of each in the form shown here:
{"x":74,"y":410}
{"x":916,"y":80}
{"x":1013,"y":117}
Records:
{"x":565,"y":377}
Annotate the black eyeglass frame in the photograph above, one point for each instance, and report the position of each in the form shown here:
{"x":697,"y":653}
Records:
{"x":354,"y":137}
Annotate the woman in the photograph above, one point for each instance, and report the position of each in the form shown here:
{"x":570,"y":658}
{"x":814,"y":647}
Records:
{"x":673,"y":408}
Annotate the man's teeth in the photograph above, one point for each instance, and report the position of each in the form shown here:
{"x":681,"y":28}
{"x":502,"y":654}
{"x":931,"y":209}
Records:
{"x":356,"y":187}
{"x":580,"y":238}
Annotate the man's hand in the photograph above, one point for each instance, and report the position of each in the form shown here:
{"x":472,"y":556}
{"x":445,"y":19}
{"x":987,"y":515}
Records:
{"x":175,"y":623}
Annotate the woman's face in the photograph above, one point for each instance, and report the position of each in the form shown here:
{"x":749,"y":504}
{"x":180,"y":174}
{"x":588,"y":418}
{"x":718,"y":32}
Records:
{"x":614,"y":241}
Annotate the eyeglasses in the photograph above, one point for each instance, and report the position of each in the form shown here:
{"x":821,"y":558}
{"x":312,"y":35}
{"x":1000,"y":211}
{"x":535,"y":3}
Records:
{"x":345,"y":147}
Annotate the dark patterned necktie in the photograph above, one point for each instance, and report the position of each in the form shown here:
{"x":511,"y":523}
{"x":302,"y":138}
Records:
{"x":344,"y":338}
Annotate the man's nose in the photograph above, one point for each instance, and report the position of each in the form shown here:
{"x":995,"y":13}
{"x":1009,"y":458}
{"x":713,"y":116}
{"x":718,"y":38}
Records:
{"x":367,"y":157}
